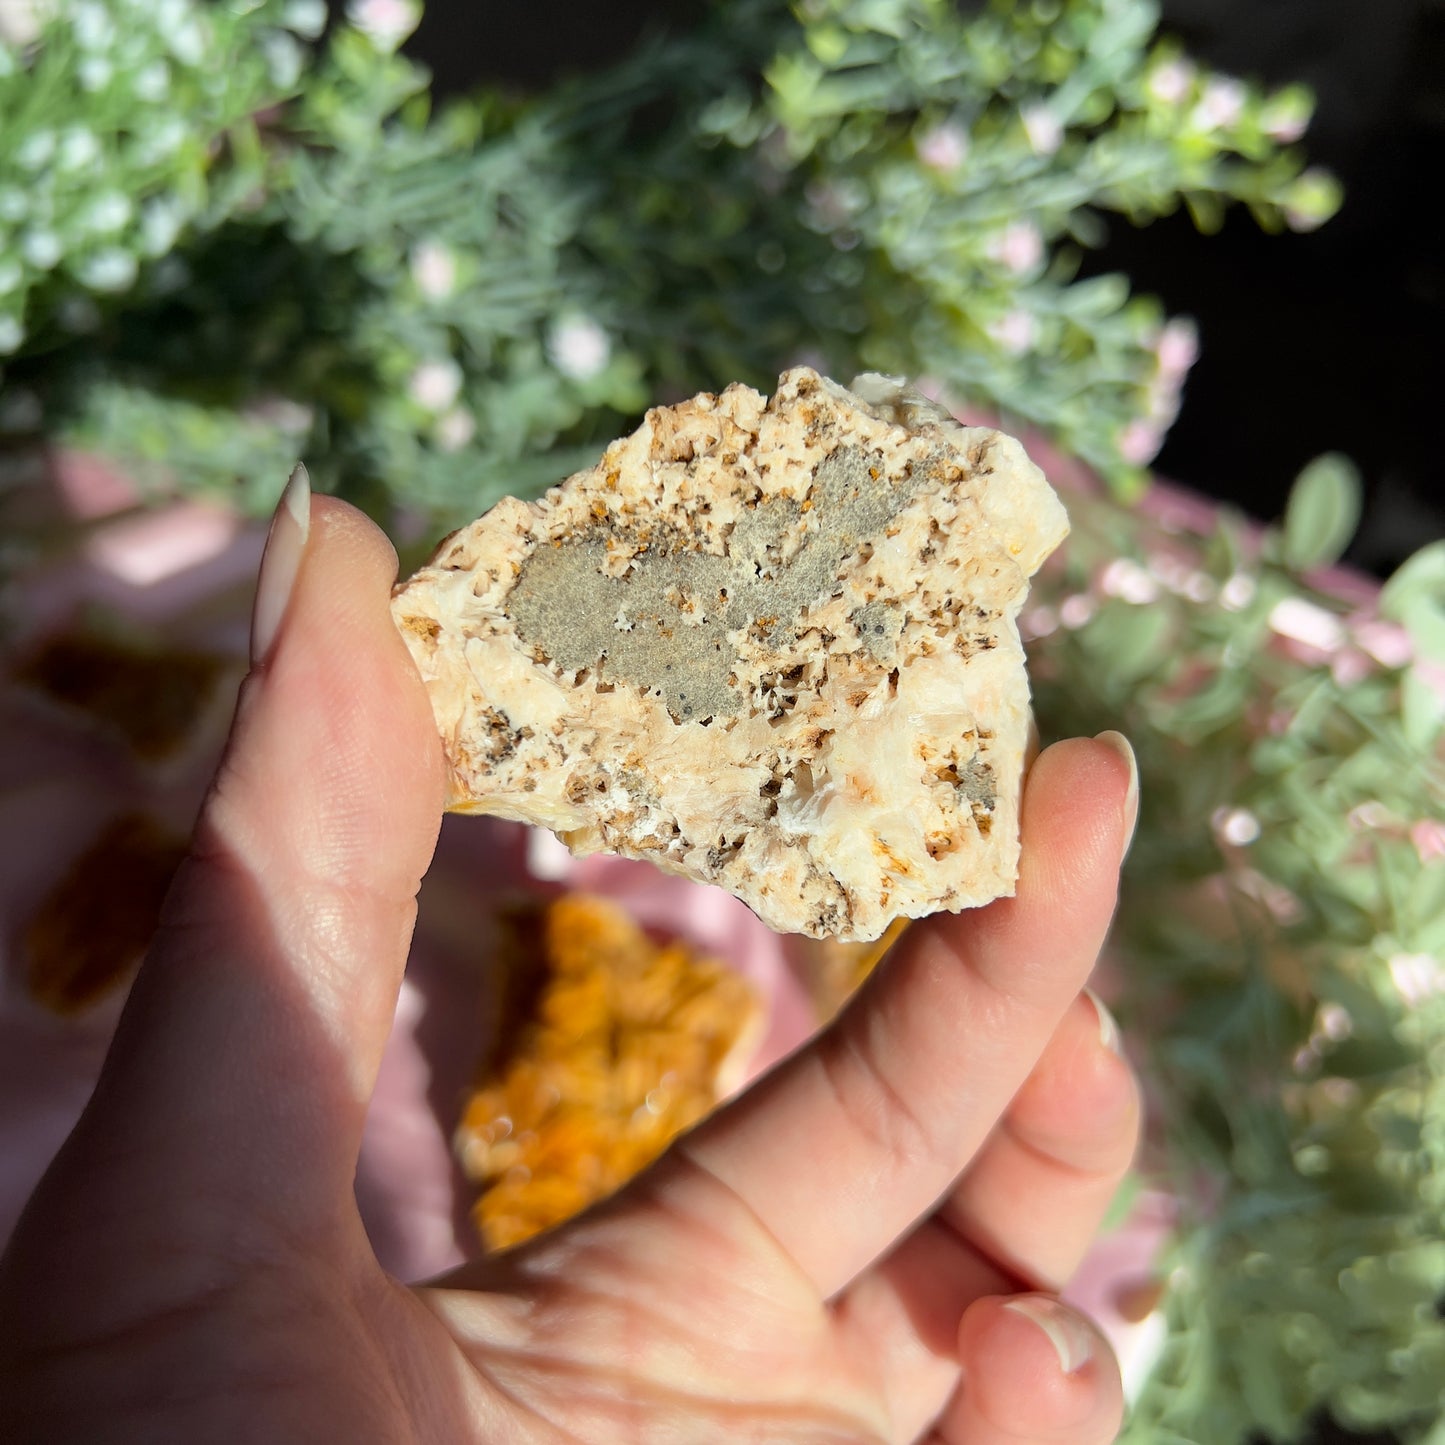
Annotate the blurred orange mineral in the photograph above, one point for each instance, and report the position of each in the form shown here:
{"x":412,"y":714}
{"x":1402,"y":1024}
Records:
{"x":629,"y":1043}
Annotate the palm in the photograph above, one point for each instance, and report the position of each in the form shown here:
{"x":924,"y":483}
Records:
{"x":819,"y":1261}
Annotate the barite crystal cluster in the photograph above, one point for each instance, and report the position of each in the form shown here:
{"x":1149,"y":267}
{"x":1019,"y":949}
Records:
{"x":764,"y":643}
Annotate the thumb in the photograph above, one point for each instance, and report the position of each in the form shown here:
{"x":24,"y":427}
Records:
{"x":252,"y":1037}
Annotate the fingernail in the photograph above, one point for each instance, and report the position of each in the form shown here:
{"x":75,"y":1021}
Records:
{"x":1072,"y":1339}
{"x":281,"y":561}
{"x":1125,"y":749}
{"x":1108,"y":1026}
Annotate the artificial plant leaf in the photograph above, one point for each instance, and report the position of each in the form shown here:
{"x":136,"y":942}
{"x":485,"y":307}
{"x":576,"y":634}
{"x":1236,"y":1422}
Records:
{"x":1427,"y":909}
{"x":1322,"y":513}
{"x":1422,"y":710}
{"x":1415,"y":597}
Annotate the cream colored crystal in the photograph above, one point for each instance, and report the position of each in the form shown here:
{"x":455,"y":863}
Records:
{"x":767,"y":644}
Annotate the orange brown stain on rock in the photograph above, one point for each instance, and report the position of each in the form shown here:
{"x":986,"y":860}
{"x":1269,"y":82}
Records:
{"x":898,"y":865}
{"x":427,"y":628}
{"x":861,"y":789}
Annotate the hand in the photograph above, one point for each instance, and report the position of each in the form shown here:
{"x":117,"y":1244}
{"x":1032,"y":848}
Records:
{"x":864,"y":1247}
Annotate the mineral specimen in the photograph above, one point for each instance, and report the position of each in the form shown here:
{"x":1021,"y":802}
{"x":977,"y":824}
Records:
{"x":631,"y":1043}
{"x":767,"y":644}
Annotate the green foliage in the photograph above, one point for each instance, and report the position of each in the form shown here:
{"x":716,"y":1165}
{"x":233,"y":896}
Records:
{"x":1279,"y":939}
{"x":208,"y":231}
{"x":1323,"y":512}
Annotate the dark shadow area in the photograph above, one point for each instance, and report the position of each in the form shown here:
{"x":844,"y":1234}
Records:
{"x":1324,"y":1431}
{"x":529,"y":44}
{"x":1329,"y":341}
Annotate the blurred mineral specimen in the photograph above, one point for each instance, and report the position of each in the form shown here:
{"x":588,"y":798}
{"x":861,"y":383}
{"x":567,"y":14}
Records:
{"x":767,"y":644}
{"x":95,"y":923}
{"x":630,"y":1042}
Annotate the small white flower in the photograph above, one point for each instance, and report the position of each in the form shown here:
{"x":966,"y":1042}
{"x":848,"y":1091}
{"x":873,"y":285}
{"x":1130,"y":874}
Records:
{"x":13,"y":204}
{"x":1177,"y":348}
{"x":1285,"y":117}
{"x":160,"y":224}
{"x":1197,"y":587}
{"x":1041,"y":126}
{"x":1305,"y":622}
{"x":455,"y":429}
{"x":292,"y":418}
{"x":91,"y":25}
{"x":1076,"y":611}
{"x":435,"y":385}
{"x":20,"y":22}
{"x":188,"y":42}
{"x":1238,"y":592}
{"x":1127,"y":580}
{"x":1334,"y":1022}
{"x":284,"y":59}
{"x":11,"y":335}
{"x":34,"y":151}
{"x":1387,"y":642}
{"x":109,"y":270}
{"x":1171,"y":82}
{"x":152,"y":82}
{"x":107,"y":213}
{"x":1221,"y":105}
{"x":1014,"y":331}
{"x":579,"y":347}
{"x":942,"y":147}
{"x":170,"y":15}
{"x":42,"y":249}
{"x":1313,"y":199}
{"x":79,"y":148}
{"x":434,"y":269}
{"x":159,"y":141}
{"x":1038,"y":622}
{"x":1237,"y":827}
{"x":10,"y":275}
{"x":95,"y":73}
{"x":1140,"y":441}
{"x":386,"y":23}
{"x":1019,"y":246}
{"x":305,"y":17}
{"x":1417,"y":977}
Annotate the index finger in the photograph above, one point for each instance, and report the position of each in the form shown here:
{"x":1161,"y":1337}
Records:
{"x":857,"y":1136}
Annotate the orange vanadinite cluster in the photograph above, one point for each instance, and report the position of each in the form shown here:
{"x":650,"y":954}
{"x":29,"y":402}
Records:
{"x":630,"y":1043}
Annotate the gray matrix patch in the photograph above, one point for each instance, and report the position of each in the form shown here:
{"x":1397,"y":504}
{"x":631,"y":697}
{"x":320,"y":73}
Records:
{"x":664,"y":625}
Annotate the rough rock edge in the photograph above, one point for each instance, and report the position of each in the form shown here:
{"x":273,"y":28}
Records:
{"x":859,"y":755}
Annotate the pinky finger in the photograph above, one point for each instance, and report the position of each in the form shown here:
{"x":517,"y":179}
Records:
{"x":1035,"y":1372}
